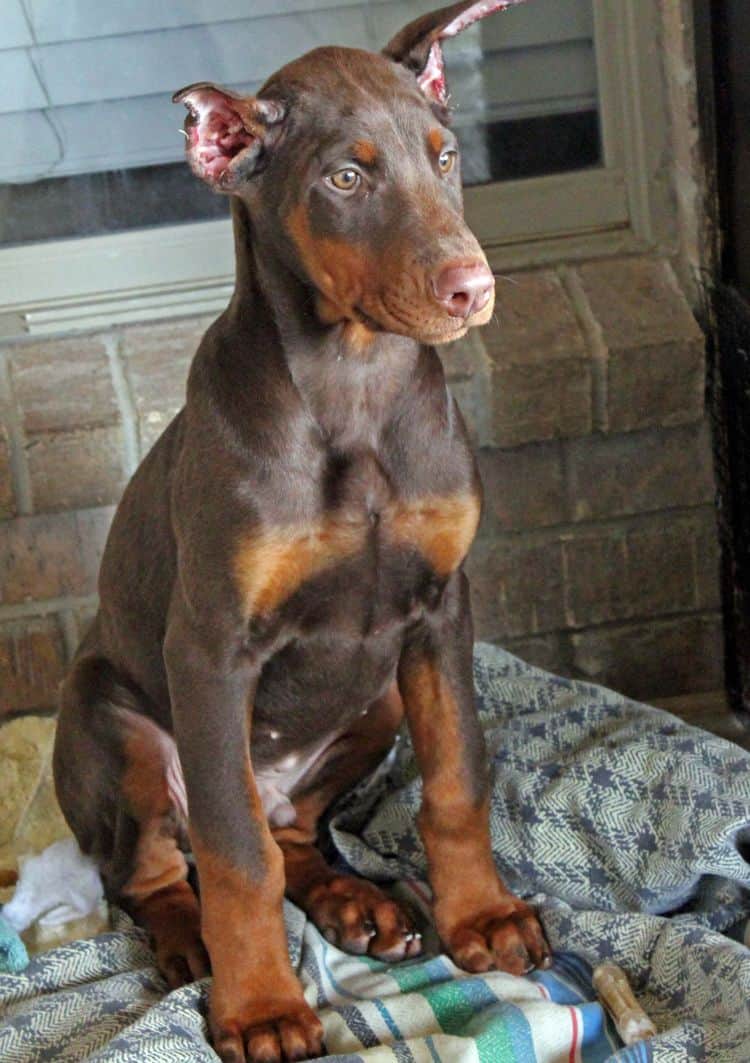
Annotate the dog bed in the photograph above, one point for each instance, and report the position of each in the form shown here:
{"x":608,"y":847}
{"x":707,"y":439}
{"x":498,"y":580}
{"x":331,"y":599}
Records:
{"x":628,"y":828}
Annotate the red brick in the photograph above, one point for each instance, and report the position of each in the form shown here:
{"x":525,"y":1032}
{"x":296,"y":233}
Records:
{"x":707,"y":560}
{"x":546,"y":401}
{"x":51,"y":556}
{"x":626,"y":571}
{"x":468,"y":371}
{"x":656,"y":352}
{"x":74,"y":470}
{"x":83,"y":619}
{"x":63,"y":384}
{"x":654,"y":659}
{"x":541,"y":385}
{"x":660,"y":570}
{"x":464,"y":358}
{"x":157,"y":358}
{"x":637,"y":302}
{"x":534,"y":323}
{"x":523,"y":487}
{"x":548,"y":652}
{"x":596,"y":586}
{"x":638,"y":472}
{"x":516,"y":587}
{"x":93,"y":528}
{"x":32,"y":663}
{"x":661,"y":385}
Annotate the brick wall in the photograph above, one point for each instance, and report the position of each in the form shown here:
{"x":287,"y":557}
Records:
{"x":597,"y":554}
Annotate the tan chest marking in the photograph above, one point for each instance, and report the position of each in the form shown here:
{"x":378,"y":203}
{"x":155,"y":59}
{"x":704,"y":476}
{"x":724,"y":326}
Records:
{"x":441,"y":529}
{"x":271,"y":566}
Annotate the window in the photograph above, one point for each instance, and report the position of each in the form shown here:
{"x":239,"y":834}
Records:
{"x":557,"y":112}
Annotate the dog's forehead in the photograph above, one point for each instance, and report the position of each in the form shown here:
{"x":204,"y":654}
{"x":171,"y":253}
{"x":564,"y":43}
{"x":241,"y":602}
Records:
{"x":346,"y":89}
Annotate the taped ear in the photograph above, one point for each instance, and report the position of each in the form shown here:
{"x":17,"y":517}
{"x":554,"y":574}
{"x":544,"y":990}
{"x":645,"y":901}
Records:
{"x":417,"y":46}
{"x":226,"y":133}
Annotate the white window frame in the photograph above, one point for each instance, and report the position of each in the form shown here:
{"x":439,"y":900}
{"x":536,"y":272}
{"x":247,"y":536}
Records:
{"x":625,"y":206}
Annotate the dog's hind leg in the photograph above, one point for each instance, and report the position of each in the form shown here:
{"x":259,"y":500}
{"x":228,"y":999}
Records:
{"x":119,"y":784}
{"x":352,"y":913}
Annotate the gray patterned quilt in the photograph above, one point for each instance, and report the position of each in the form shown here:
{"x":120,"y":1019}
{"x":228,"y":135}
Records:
{"x":628,"y":828}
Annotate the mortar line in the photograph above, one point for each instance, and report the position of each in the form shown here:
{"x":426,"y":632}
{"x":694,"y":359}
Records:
{"x":594,"y":336}
{"x":695,"y":567}
{"x":634,"y":620}
{"x":125,"y":403}
{"x":19,"y":469}
{"x":568,"y":610}
{"x":566,"y":472}
{"x":542,"y":533}
{"x":69,"y":630}
{"x":22,"y":610}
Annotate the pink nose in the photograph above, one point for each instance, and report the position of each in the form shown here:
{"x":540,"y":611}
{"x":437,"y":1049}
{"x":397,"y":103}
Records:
{"x":464,"y":290}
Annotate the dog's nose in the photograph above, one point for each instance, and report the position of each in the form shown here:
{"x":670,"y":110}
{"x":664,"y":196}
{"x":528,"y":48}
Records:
{"x":464,"y":290}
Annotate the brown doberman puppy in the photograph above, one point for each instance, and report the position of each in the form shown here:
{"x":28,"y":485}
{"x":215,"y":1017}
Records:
{"x":283,"y":578}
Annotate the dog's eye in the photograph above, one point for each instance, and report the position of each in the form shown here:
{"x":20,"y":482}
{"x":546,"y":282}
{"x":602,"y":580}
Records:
{"x":446,"y":160}
{"x":345,"y":180}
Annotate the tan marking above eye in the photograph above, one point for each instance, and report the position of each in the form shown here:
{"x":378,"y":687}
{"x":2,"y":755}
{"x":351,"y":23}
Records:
{"x":435,"y":140}
{"x":364,"y":151}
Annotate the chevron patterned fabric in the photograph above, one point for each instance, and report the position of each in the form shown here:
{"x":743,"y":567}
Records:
{"x":628,"y":828}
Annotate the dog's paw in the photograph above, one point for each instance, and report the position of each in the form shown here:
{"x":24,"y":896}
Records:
{"x":172,"y":918}
{"x":294,"y":1034}
{"x":358,"y":917}
{"x":504,"y":937}
{"x":181,"y":957}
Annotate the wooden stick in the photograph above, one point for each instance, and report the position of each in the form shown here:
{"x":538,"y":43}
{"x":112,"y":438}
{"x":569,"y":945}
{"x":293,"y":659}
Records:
{"x":632,"y":1022}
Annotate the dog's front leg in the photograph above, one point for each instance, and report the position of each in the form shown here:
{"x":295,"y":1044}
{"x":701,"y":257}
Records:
{"x":480,"y":922}
{"x":257,"y":1010}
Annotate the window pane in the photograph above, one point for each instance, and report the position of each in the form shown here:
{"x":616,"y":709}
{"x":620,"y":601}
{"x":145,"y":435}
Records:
{"x":524,"y":86}
{"x":90,"y":135}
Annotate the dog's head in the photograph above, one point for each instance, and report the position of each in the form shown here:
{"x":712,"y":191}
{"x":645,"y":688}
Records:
{"x":351,"y":173}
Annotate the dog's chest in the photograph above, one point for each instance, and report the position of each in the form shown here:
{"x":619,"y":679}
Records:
{"x":367,"y":541}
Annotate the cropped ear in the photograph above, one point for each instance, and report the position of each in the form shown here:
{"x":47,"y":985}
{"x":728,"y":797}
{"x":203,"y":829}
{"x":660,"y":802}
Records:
{"x":226,"y":133}
{"x":417,"y":46}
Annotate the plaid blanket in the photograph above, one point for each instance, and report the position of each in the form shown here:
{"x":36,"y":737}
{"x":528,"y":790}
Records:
{"x":628,"y":827}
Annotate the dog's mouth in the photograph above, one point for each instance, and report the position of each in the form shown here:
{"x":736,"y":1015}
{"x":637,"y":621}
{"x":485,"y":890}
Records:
{"x":398,"y":310}
{"x":399,"y":321}
{"x":423,"y":320}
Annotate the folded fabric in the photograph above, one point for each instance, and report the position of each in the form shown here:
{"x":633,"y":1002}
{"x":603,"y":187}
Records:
{"x":56,"y":886}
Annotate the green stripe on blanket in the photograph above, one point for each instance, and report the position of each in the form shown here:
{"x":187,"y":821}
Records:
{"x":430,"y":1010}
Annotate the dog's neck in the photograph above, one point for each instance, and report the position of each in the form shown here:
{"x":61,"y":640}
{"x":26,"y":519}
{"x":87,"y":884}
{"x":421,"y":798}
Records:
{"x":261,"y":277}
{"x":335,"y":368}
